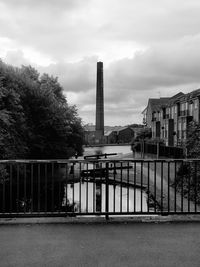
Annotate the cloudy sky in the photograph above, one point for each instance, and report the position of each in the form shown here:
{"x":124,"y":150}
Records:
{"x":150,"y":48}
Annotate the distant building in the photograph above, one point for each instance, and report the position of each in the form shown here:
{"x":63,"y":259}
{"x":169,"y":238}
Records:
{"x":168,"y":118}
{"x":154,"y":105}
{"x":110,"y":137}
{"x":125,"y":135}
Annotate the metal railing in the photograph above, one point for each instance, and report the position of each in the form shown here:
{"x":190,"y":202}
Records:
{"x":99,"y":187}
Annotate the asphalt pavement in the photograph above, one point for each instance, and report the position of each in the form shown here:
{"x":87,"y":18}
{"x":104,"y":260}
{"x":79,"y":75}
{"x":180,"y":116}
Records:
{"x":103,"y":244}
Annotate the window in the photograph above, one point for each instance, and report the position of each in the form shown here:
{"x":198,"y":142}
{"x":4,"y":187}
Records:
{"x":195,"y":103}
{"x":183,"y":105}
{"x":190,"y":109}
{"x":164,"y":113}
{"x":184,"y":125}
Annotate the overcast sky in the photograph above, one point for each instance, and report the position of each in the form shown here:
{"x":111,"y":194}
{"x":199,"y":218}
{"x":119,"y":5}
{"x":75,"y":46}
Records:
{"x":150,"y":48}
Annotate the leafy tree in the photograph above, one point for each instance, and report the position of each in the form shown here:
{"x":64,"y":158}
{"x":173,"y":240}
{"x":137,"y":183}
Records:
{"x":12,"y":125}
{"x":193,"y":140}
{"x":188,"y":175}
{"x":36,"y":120}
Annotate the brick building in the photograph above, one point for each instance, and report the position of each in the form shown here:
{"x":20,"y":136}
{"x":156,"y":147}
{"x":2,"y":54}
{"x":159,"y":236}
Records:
{"x":168,"y":118}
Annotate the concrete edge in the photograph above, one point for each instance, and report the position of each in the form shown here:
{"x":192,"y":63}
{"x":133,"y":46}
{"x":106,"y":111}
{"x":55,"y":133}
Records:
{"x":101,"y":220}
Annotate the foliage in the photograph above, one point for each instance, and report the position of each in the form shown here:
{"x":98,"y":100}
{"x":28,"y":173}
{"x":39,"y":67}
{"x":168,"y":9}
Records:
{"x":193,"y":140}
{"x":35,"y":118}
{"x":188,"y":180}
{"x":188,"y":176}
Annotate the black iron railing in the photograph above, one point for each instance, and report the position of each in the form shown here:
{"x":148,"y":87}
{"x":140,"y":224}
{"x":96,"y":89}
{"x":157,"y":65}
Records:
{"x":99,"y":187}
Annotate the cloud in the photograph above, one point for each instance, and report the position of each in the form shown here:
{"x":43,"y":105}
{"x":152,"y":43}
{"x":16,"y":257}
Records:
{"x":46,"y":4}
{"x":149,"y":49}
{"x":75,"y":77}
{"x":162,"y":70}
{"x":16,"y":58}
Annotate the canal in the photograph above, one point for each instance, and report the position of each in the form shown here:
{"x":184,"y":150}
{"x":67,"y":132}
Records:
{"x":120,"y":149}
{"x":90,"y":196}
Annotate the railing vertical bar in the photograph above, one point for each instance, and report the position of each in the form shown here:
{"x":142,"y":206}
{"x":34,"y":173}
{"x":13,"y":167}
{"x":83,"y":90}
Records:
{"x":101,"y":180}
{"x":45,"y":203}
{"x":4,"y":193}
{"x":121,"y":187}
{"x":32,"y":196}
{"x":168,"y":187}
{"x":155,"y":186}
{"x":175,"y":187}
{"x":141,"y":196}
{"x":52,"y":185}
{"x":114,"y":186}
{"x":25,"y":200}
{"x":148,"y":185}
{"x":107,"y":192}
{"x":128,"y":187}
{"x":66,"y":187}
{"x":79,"y":186}
{"x":11,"y":173}
{"x":189,"y":186}
{"x":73,"y":184}
{"x":94,"y":181}
{"x":39,"y":187}
{"x":161,"y":186}
{"x":17,"y":188}
{"x":195,"y":187}
{"x":182,"y":187}
{"x":87,"y":189}
{"x":135,"y":168}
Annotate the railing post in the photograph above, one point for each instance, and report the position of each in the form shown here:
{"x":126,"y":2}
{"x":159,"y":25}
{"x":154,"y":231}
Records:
{"x":107,"y":191}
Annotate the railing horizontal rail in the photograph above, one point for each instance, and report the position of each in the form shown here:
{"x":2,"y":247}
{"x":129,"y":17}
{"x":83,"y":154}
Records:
{"x":98,"y":160}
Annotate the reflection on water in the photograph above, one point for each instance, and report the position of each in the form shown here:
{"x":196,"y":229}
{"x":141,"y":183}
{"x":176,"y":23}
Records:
{"x":90,"y":197}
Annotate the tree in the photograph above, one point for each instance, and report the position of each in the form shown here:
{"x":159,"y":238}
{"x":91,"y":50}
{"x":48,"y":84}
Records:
{"x":193,"y":140}
{"x":188,"y":175}
{"x":12,"y":125}
{"x":36,"y":120}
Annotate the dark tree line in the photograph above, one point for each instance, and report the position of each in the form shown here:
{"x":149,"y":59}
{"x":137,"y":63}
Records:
{"x":36,"y":121}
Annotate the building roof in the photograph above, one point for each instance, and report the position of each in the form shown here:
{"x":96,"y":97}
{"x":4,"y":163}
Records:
{"x":157,"y":103}
{"x":137,"y":129}
{"x":107,"y":133}
{"x":144,"y":111}
{"x":181,"y":97}
{"x":193,"y":94}
{"x":124,"y":128}
{"x":176,"y":98}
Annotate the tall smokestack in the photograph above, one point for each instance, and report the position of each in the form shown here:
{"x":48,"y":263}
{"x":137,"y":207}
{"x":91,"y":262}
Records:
{"x":99,"y":102}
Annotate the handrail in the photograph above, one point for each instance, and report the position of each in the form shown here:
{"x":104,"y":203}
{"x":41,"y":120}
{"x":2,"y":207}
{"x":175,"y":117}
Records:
{"x":97,"y":160}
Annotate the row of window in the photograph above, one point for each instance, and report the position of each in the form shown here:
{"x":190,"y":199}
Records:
{"x":184,"y":109}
